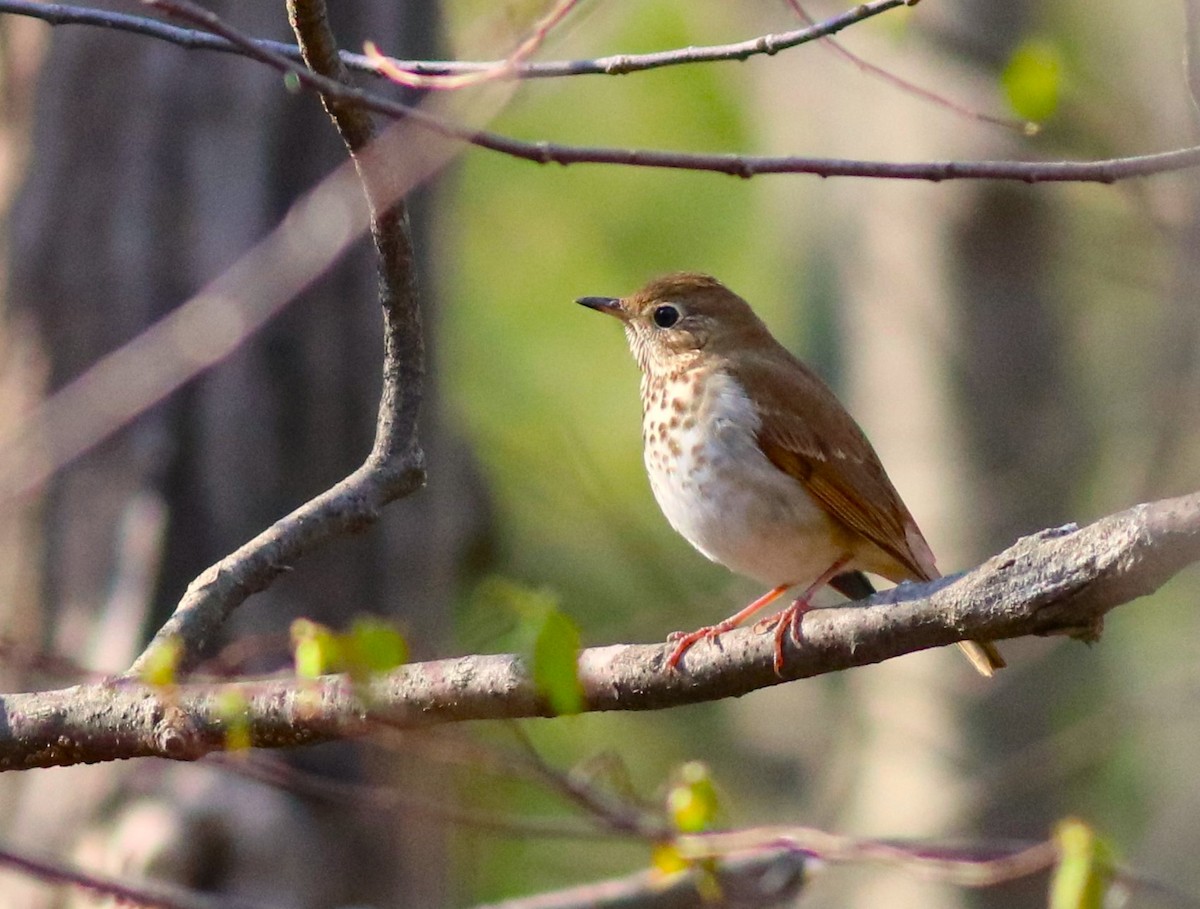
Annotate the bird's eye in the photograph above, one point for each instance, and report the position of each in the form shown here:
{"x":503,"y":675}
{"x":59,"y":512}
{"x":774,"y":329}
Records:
{"x":665,"y":316}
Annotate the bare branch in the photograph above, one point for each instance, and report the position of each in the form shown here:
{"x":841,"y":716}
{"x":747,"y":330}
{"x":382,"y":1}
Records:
{"x":744,"y":166}
{"x":747,"y":166}
{"x":351,"y":505}
{"x":341,"y":793}
{"x":1027,"y":127}
{"x":1054,"y":582}
{"x":759,"y":878}
{"x":152,"y":895}
{"x":753,"y":869}
{"x":616,"y":814}
{"x":395,"y":467}
{"x":975,"y":866}
{"x":404,"y":345}
{"x":615,"y":65}
{"x":504,"y":69}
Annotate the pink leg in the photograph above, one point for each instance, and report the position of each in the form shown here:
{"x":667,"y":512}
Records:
{"x":684,"y":641}
{"x":791,"y":617}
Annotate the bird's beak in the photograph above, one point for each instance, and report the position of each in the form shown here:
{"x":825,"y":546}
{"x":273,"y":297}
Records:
{"x":610,"y":305}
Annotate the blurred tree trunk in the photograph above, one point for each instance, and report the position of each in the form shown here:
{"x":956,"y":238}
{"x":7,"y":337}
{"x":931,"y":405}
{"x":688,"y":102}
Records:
{"x":1025,"y":424}
{"x":155,"y":168}
{"x":22,"y":43}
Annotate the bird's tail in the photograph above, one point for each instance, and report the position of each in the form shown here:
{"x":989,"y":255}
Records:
{"x":984,"y":656}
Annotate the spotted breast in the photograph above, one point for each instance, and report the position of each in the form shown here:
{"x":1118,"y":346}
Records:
{"x":718,"y":489}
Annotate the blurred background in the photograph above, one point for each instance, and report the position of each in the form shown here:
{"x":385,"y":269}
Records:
{"x":1021,"y":357}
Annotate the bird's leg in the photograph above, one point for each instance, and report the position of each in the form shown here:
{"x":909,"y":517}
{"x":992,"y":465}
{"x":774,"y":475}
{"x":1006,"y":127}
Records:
{"x":791,"y":617}
{"x":684,"y":641}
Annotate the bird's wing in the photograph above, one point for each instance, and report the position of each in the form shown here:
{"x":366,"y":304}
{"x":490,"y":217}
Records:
{"x":838,"y":466}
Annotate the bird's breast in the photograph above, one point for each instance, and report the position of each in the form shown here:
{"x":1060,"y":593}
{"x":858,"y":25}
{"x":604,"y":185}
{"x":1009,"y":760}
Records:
{"x":717,"y":488}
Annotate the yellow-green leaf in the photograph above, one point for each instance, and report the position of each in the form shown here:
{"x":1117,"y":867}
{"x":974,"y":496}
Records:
{"x":666,"y":859}
{"x":555,"y":662}
{"x":233,"y":709}
{"x":692,"y":801}
{"x":545,"y":637}
{"x":373,"y":646}
{"x":159,"y":668}
{"x":316,"y":649}
{"x":1032,"y":79}
{"x":1085,"y":867}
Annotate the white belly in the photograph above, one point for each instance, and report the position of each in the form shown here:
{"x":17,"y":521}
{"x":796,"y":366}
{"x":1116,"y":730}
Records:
{"x":720,"y":491}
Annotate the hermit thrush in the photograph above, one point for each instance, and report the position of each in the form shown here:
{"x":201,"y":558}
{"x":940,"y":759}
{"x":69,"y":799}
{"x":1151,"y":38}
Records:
{"x":756,"y":463}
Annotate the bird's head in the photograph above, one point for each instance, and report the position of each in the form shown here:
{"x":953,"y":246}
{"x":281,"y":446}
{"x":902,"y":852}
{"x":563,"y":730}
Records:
{"x":676,"y":319}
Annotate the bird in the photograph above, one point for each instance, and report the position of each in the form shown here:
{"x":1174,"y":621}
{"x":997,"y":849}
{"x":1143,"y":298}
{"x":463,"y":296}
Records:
{"x":755,"y":462}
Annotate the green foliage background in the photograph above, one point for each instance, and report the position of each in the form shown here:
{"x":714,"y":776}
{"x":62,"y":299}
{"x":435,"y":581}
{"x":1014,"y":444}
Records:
{"x":547,"y":393}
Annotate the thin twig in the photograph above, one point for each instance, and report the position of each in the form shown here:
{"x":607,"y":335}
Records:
{"x":1026,"y":127}
{"x":744,"y":166}
{"x":614,"y":813}
{"x":152,"y":895}
{"x":1055,"y":582}
{"x":388,"y":799}
{"x":975,"y":866}
{"x":615,"y":65}
{"x":766,"y":878}
{"x":761,"y":878}
{"x":503,"y":69}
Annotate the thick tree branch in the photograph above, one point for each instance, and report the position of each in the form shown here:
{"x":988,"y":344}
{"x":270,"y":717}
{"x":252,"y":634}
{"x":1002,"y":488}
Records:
{"x":350,"y":506}
{"x":404,"y":345}
{"x":1057,"y":581}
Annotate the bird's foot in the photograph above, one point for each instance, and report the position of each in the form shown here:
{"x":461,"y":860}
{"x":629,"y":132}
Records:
{"x":684,"y":640}
{"x":786,"y":621}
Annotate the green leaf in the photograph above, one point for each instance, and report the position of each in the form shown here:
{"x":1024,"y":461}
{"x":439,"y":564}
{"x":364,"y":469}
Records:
{"x":546,"y":638}
{"x":159,"y":668}
{"x":372,"y":646}
{"x":555,"y":662}
{"x":668,"y":860}
{"x":316,"y":650}
{"x":692,"y":801}
{"x":1032,"y":79}
{"x":1085,"y":867}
